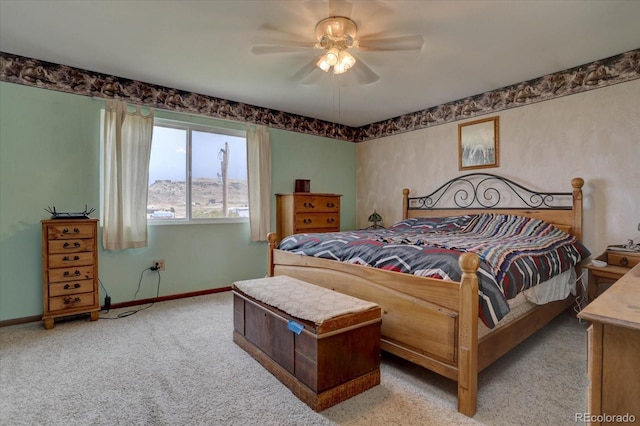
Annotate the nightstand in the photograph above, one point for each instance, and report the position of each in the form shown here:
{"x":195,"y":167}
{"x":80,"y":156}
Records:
{"x":618,"y":264}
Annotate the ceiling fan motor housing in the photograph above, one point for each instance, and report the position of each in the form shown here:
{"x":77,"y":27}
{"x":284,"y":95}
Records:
{"x":336,"y":31}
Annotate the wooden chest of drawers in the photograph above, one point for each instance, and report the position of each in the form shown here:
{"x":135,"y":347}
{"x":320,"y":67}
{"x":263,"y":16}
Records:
{"x":307,"y":212}
{"x":69,"y":268}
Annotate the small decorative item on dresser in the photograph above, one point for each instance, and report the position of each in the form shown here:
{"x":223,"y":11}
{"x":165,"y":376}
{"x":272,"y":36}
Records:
{"x":65,"y":215}
{"x":375,"y":218}
{"x":303,"y":185}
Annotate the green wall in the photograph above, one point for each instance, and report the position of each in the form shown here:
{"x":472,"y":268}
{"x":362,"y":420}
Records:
{"x":49,"y":156}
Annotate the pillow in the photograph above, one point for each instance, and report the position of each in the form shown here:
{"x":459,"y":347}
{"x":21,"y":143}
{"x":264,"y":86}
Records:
{"x":434,"y":224}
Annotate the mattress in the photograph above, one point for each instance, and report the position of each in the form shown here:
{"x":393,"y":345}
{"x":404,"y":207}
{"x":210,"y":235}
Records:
{"x":556,"y":288}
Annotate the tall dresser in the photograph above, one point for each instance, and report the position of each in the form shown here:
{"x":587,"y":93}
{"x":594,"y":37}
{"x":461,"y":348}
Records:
{"x":69,"y":268}
{"x":307,"y":212}
{"x":614,"y":352}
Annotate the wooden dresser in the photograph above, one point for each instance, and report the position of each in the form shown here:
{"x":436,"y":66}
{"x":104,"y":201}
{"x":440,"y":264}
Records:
{"x":614,"y":351}
{"x":69,"y":268}
{"x":307,"y":212}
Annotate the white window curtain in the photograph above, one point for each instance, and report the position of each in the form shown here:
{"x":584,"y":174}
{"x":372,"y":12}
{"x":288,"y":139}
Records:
{"x":127,"y":149}
{"x":259,"y":170}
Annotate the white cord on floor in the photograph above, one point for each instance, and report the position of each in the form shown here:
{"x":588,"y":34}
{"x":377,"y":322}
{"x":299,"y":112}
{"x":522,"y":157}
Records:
{"x":581,"y":299}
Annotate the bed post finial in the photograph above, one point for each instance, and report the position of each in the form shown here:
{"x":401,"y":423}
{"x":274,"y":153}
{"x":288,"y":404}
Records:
{"x":469,"y":263}
{"x":272,"y":238}
{"x":468,"y":335}
{"x":405,"y":203}
{"x":577,"y":184}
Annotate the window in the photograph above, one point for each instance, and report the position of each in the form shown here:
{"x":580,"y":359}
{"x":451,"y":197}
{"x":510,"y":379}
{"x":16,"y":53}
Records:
{"x":197,"y":173}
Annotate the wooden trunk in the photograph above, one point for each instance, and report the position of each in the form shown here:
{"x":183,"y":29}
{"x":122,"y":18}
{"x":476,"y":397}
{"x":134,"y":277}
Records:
{"x":322,"y":365}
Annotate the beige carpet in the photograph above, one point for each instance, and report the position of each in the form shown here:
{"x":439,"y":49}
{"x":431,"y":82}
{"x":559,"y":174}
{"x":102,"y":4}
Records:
{"x":176,"y":364}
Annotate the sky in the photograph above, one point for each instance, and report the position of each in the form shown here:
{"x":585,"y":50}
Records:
{"x":168,"y":155}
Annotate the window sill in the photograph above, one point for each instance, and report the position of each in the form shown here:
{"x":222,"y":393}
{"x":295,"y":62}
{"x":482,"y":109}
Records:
{"x":159,"y":222}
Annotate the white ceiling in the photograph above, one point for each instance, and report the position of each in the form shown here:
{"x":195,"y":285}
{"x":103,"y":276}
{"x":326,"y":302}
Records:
{"x":470,"y":47}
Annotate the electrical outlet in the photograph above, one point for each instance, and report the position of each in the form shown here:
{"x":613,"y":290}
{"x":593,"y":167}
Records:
{"x":158,"y":264}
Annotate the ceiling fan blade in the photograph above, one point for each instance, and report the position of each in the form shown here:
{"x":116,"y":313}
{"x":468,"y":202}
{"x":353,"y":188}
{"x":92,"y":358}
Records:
{"x":288,"y":35}
{"x":313,"y":77}
{"x":274,"y":41}
{"x":412,"y":42}
{"x":266,"y":50}
{"x":363,"y":73}
{"x":340,"y":8}
{"x":305,"y":71}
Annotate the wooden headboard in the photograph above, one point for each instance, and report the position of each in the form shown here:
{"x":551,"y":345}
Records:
{"x":487,"y":193}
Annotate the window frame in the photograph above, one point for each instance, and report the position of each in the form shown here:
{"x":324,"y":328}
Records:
{"x":190,"y":127}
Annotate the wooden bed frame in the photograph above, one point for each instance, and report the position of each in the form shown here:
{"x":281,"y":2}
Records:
{"x":432,"y":322}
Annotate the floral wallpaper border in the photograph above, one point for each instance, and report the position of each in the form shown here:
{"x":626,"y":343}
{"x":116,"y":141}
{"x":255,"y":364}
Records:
{"x":606,"y":72}
{"x":47,"y":75}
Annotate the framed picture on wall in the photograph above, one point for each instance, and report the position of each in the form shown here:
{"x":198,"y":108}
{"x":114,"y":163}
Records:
{"x":479,"y":144}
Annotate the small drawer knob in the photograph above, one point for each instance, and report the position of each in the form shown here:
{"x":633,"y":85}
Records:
{"x":71,"y":300}
{"x":307,"y":221}
{"x":624,"y":261}
{"x":68,"y":286}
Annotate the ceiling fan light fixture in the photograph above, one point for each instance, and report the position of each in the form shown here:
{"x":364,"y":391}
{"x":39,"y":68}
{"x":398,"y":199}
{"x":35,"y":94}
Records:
{"x":345,"y":62}
{"x":332,"y":56}
{"x":336,"y":34}
{"x":322,"y":64}
{"x":339,"y":70}
{"x":329,"y":59}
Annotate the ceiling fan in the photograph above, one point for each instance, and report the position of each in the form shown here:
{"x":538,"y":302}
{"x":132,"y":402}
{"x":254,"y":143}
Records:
{"x":336,"y":45}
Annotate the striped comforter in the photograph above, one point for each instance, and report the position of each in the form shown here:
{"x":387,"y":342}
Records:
{"x":516,"y":252}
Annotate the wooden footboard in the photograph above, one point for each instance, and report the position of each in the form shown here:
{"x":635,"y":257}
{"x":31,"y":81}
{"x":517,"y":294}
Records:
{"x":448,"y":345}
